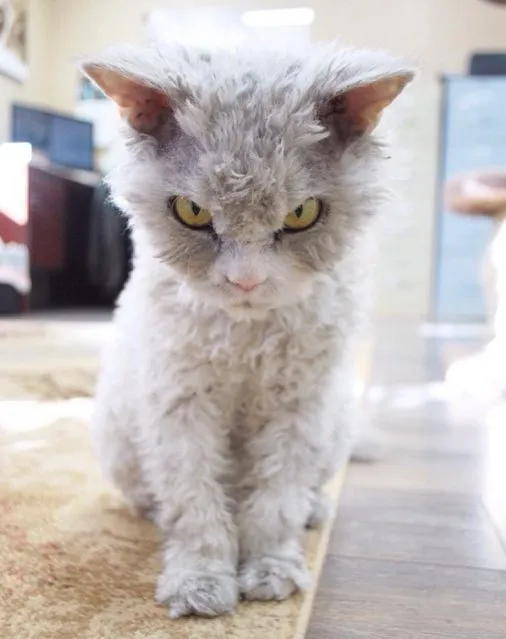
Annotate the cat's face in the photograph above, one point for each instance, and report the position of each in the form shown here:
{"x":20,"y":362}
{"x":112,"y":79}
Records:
{"x":248,"y":177}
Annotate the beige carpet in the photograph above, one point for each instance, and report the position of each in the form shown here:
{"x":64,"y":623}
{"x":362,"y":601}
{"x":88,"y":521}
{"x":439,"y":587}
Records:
{"x":75,"y":563}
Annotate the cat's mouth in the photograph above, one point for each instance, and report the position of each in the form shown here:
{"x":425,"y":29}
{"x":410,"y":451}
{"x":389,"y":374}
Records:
{"x":246,"y":310}
{"x":248,"y":304}
{"x":244,"y":298}
{"x":240,"y":303}
{"x":245,"y":304}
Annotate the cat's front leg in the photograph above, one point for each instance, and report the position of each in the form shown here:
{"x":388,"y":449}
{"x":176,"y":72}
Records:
{"x":185,"y":457}
{"x":288,"y":458}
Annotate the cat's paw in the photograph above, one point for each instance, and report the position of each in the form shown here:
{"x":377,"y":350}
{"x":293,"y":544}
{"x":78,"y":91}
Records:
{"x":201,"y":594}
{"x":146,"y":511}
{"x":272,"y":578}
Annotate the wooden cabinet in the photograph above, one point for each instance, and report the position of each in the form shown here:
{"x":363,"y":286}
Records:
{"x":59,"y":212}
{"x":47,"y":204}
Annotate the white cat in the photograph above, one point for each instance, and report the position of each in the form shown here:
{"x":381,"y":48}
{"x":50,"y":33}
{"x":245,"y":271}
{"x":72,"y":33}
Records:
{"x":224,"y":402}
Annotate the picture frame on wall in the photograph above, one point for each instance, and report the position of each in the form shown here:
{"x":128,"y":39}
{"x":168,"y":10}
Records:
{"x":13,"y":39}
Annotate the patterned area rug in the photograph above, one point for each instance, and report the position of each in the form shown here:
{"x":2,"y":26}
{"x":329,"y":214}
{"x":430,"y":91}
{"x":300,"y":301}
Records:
{"x":76,"y":564}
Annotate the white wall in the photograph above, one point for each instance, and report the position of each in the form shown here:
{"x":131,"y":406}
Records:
{"x":439,"y":34}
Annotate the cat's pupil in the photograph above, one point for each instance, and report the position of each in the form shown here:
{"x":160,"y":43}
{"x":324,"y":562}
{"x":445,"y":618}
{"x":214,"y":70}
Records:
{"x":195,"y":209}
{"x":299,"y":210}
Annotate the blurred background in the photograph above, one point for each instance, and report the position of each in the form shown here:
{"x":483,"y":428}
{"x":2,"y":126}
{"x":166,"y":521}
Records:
{"x":438,"y":498}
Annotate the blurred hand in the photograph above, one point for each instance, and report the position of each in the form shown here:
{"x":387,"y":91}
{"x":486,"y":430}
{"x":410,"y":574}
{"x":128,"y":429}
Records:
{"x":478,"y":193}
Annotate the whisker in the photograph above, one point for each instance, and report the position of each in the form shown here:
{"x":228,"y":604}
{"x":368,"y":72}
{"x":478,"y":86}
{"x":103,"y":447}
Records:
{"x":173,"y":256}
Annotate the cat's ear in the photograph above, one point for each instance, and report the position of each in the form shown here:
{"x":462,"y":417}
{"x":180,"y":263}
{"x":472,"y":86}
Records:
{"x":355,"y":108}
{"x":126,"y":79}
{"x":143,"y":106}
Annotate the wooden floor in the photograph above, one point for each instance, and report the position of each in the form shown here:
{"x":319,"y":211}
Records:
{"x":419,"y":547}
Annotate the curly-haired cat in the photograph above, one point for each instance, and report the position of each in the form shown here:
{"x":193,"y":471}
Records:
{"x":224,"y":401}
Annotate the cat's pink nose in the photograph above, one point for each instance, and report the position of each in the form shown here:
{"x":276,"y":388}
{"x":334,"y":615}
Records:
{"x":245,"y":283}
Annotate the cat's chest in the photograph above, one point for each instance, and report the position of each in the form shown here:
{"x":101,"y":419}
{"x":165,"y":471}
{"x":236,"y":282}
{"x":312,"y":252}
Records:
{"x":263,"y":347}
{"x":245,"y":360}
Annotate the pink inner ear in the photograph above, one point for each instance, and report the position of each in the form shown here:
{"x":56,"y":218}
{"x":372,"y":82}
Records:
{"x":363,"y":105}
{"x":360,"y":98}
{"x":143,"y":106}
{"x":145,"y":109}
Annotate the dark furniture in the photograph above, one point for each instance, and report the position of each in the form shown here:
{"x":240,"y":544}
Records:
{"x":79,"y":242}
{"x":488,"y":63}
{"x":74,"y":244}
{"x":59,"y":204}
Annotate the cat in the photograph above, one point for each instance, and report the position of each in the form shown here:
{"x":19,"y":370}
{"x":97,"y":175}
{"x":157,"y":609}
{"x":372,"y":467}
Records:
{"x":225,"y":400}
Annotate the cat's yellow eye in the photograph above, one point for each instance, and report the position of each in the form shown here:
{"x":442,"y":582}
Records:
{"x":304,"y":216}
{"x":190,"y":213}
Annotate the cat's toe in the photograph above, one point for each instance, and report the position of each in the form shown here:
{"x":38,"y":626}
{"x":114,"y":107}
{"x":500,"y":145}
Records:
{"x":142,"y":505}
{"x":204,"y":595}
{"x":148,"y":512}
{"x":271,"y":578}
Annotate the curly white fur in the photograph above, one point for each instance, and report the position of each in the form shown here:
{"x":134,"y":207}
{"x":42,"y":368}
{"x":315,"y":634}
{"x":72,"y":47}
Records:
{"x":221,"y":413}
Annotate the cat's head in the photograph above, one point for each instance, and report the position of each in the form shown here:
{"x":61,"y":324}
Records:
{"x":248,"y":174}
